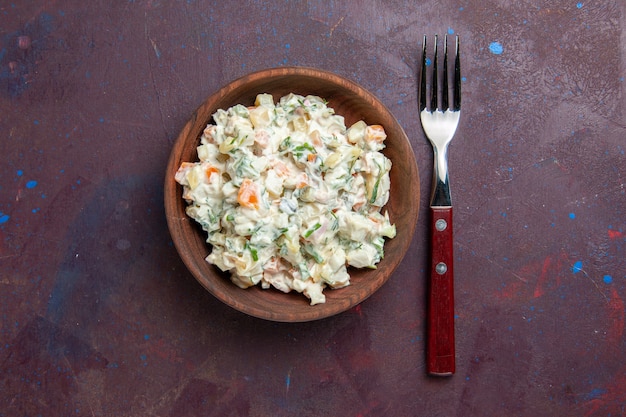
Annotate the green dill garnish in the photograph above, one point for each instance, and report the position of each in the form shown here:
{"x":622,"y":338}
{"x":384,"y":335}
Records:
{"x":312,"y":229}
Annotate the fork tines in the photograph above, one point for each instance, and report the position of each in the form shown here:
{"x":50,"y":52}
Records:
{"x":437,"y":101}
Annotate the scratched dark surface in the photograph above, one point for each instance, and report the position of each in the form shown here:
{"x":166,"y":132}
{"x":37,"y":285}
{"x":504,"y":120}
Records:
{"x":99,"y":317}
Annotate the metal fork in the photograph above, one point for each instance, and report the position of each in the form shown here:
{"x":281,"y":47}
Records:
{"x":440,"y":115}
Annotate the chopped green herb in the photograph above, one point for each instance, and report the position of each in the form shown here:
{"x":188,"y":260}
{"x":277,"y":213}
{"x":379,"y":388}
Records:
{"x":312,"y":229}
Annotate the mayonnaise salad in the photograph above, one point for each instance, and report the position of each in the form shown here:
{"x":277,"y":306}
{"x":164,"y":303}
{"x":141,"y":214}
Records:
{"x":289,"y":196}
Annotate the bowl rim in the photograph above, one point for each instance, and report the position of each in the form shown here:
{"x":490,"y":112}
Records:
{"x":203,"y":114}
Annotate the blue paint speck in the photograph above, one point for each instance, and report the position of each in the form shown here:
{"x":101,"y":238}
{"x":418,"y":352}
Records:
{"x":572,"y":216}
{"x":428,"y":62}
{"x":288,"y":380}
{"x":450,"y":31}
{"x":578,"y":266}
{"x":31,"y":184}
{"x":607,"y":279}
{"x":20,"y":172}
{"x":579,"y":6}
{"x":287,"y":46}
{"x":4,"y":218}
{"x":146,"y":337}
{"x":496,"y":48}
{"x":595,"y":393}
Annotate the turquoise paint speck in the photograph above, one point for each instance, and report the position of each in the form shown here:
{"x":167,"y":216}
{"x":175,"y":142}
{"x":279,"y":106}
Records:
{"x":496,"y":48}
{"x":31,"y":184}
{"x":572,"y":216}
{"x":578,"y":266}
{"x":607,"y":279}
{"x":450,"y":31}
{"x":579,"y":5}
{"x":20,"y":172}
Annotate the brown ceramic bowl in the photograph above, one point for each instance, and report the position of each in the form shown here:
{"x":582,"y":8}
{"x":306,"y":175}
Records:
{"x":349,"y":100}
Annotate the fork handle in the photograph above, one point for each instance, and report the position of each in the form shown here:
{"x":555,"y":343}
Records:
{"x":440,"y":354}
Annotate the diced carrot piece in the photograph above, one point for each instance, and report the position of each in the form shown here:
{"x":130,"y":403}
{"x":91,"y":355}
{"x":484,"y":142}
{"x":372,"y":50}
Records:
{"x":210,"y":171}
{"x":302,"y":181}
{"x":248,"y":195}
{"x":311,"y":157}
{"x":375,"y":133}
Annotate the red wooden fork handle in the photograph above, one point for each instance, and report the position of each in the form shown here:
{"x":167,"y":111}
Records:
{"x":440,"y":354}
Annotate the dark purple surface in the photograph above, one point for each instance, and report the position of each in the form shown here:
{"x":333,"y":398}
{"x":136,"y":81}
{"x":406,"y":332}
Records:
{"x":101,"y":318}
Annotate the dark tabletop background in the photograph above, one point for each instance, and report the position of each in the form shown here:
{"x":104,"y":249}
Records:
{"x":99,"y":317}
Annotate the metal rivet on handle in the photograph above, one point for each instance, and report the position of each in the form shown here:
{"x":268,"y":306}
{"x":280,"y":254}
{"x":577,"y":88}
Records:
{"x":441,"y":268}
{"x":441,"y":225}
